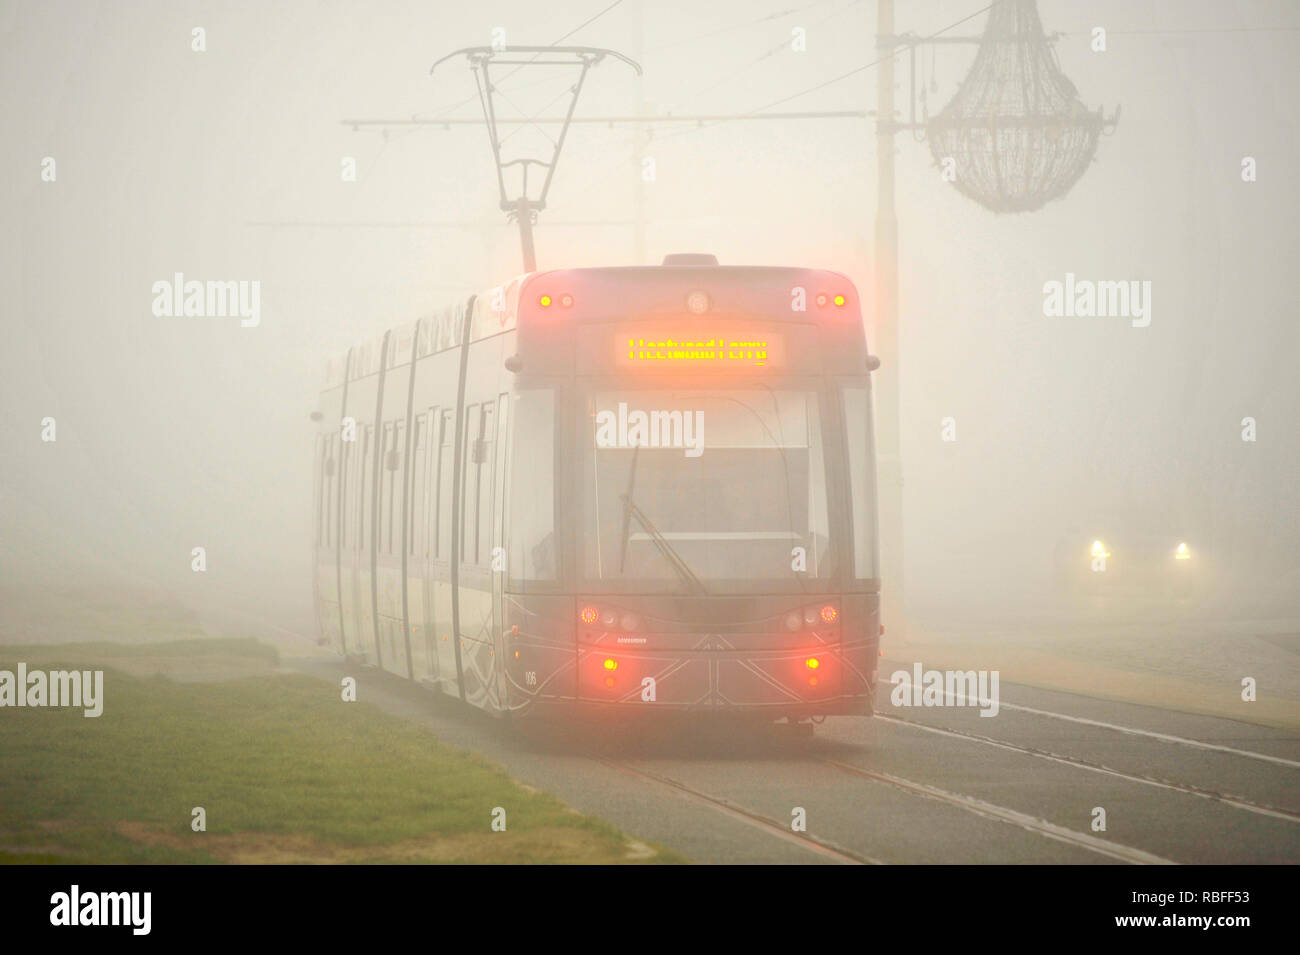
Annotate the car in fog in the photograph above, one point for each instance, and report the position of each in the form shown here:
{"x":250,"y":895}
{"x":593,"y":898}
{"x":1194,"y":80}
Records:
{"x":1112,"y":557}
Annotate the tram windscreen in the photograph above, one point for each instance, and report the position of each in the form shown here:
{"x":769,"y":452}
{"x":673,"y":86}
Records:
{"x":704,"y":491}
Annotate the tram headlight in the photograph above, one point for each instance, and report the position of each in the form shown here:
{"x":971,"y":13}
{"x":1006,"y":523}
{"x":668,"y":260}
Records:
{"x":1099,"y":549}
{"x":817,"y":616}
{"x":1182,"y":552}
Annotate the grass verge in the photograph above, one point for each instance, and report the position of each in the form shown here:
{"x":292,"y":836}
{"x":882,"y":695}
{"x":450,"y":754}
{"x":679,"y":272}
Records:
{"x":285,"y":771}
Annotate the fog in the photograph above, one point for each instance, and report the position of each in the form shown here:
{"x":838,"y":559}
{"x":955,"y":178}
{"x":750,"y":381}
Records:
{"x":225,"y":165}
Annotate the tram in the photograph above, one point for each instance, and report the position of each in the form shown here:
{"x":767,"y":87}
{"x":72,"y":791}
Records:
{"x":610,"y":489}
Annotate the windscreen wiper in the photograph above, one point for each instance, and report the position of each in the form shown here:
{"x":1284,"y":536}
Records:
{"x":670,"y":554}
{"x":627,"y":511}
{"x":630,"y":510}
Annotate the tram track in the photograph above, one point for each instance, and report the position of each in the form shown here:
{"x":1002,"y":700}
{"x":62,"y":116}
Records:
{"x":766,"y":824}
{"x":1014,"y":817}
{"x":1236,"y":802}
{"x":1162,"y":737}
{"x":1133,"y":731}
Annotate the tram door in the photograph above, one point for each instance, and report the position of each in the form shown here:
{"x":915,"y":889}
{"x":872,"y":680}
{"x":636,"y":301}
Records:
{"x":482,"y":562}
{"x":442,"y":456}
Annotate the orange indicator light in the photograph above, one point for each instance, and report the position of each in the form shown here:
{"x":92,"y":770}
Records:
{"x":839,"y":299}
{"x":812,"y":663}
{"x":611,"y":664}
{"x":544,"y":301}
{"x":589,"y":615}
{"x":829,"y":613}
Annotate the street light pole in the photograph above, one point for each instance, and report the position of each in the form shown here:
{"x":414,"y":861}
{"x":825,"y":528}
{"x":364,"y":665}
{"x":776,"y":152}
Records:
{"x":886,"y":384}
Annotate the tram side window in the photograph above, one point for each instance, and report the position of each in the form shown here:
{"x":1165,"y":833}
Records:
{"x":415,"y":527}
{"x":483,"y":479}
{"x":326,"y":473}
{"x":384,"y":490}
{"x":500,"y":458}
{"x":446,"y":457}
{"x":345,"y":480}
{"x":436,"y":513}
{"x":354,"y":486}
{"x":326,"y":489}
{"x":390,"y":467}
{"x":862,"y":484}
{"x":322,"y":515}
{"x":530,"y":536}
{"x":320,"y":488}
{"x":395,"y":504}
{"x":347,"y":477}
{"x":332,"y":467}
{"x":364,"y":484}
{"x":469,"y":501}
{"x":817,"y":509}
